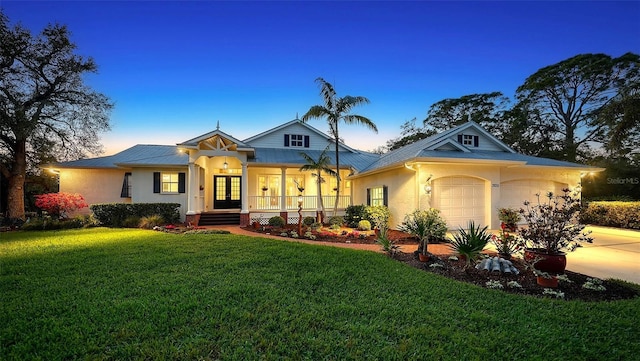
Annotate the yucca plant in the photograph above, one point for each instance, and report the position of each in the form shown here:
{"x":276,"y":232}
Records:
{"x":470,"y":243}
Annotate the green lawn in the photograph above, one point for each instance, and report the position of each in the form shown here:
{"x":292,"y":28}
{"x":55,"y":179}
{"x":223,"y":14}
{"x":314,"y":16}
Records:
{"x":132,"y":294}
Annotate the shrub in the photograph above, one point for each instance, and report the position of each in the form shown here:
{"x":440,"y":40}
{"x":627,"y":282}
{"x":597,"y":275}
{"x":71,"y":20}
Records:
{"x":426,"y":224}
{"x":48,"y":223}
{"x":308,"y":221}
{"x":364,"y":225}
{"x":113,"y":214}
{"x":276,"y":221}
{"x":379,"y":216}
{"x":131,"y":222}
{"x":612,"y":214}
{"x":470,"y":243}
{"x":58,"y":205}
{"x":336,"y":221}
{"x":151,"y":221}
{"x":552,"y":223}
{"x":354,"y":214}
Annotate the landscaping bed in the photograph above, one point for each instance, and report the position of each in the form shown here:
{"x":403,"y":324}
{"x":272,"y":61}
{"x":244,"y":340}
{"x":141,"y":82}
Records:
{"x":573,"y":290}
{"x":455,"y":269}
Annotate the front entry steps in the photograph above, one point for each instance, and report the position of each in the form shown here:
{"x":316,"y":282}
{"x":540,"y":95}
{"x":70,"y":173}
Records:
{"x":218,"y":219}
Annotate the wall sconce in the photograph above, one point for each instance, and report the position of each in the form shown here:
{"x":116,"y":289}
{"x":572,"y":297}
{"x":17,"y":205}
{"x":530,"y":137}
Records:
{"x":225,"y":165}
{"x":427,"y":186}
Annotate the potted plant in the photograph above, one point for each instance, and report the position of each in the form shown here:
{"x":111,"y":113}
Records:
{"x":552,"y":228}
{"x":469,"y":244}
{"x":509,"y":217}
{"x":506,"y":243}
{"x":426,"y":225}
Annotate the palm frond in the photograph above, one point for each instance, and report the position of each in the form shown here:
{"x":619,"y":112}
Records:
{"x":359,"y":119}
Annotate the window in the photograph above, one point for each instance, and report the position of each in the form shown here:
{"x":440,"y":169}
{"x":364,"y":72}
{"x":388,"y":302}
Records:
{"x":293,"y":182}
{"x":468,"y":140}
{"x":126,"y":186}
{"x":169,"y":182}
{"x":296,"y":140}
{"x":377,"y":196}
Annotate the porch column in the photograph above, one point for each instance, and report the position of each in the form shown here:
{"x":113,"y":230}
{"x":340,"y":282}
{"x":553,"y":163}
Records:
{"x":244,"y":197}
{"x":283,"y":194}
{"x":192,"y":194}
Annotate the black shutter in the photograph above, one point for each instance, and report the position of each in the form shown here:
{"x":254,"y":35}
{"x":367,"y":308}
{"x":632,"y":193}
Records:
{"x":460,"y":138}
{"x":306,"y":141}
{"x":156,"y":182}
{"x":385,"y":196}
{"x":286,"y":140}
{"x":125,"y":193}
{"x":181,"y":182}
{"x":475,"y":140}
{"x":368,"y":196}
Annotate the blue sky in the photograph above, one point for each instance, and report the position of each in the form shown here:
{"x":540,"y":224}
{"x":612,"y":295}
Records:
{"x":174,"y":69}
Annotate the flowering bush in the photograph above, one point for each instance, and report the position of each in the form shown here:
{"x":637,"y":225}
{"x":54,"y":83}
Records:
{"x":506,"y":243}
{"x":60,"y":204}
{"x":552,"y":224}
{"x":426,"y":224}
{"x":509,"y":218}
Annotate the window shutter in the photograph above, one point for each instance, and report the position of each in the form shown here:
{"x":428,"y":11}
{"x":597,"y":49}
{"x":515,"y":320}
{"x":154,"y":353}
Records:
{"x":286,"y":140}
{"x":385,"y":196}
{"x":181,"y":182}
{"x":460,"y":138}
{"x":368,"y":196}
{"x":306,"y":141}
{"x":156,"y":182}
{"x":125,"y":186}
{"x":475,"y":140}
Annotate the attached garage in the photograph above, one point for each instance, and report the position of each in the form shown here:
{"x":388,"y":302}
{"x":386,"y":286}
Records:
{"x":460,"y":200}
{"x":514,"y":193}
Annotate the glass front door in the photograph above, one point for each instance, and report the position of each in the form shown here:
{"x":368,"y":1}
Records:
{"x":227,"y":191}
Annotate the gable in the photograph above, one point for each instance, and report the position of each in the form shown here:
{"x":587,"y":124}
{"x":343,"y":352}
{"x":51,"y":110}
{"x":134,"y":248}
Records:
{"x":293,"y":135}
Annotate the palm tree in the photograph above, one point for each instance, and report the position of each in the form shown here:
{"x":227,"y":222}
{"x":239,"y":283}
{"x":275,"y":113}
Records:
{"x":318,"y":166}
{"x":336,"y":109}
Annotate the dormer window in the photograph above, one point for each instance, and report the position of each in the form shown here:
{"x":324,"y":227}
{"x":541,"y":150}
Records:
{"x":296,"y":141}
{"x":468,"y":140}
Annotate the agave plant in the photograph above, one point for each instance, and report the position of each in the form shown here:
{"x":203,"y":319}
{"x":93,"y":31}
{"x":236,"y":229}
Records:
{"x":470,"y":243}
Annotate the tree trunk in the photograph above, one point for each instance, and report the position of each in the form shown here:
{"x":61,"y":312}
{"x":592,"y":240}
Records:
{"x":15,"y":200}
{"x":570,"y":145}
{"x":335,"y":205}
{"x":320,"y":202}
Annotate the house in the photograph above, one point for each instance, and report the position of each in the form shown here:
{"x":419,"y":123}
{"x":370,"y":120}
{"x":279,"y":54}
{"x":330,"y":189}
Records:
{"x":464,"y":172}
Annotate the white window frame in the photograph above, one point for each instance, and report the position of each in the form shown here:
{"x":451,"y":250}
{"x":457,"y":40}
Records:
{"x":467,"y":139}
{"x":169,"y":182}
{"x":296,"y":140}
{"x":376,"y":195}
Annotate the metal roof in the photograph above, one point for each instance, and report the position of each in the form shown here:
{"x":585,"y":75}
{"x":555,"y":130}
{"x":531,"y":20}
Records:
{"x":270,"y":156}
{"x":138,"y":155}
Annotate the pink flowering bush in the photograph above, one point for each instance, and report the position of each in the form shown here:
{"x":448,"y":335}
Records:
{"x":60,"y":204}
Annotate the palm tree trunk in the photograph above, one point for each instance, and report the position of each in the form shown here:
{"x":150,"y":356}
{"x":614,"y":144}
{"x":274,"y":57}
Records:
{"x":335,"y":205}
{"x":320,"y":202}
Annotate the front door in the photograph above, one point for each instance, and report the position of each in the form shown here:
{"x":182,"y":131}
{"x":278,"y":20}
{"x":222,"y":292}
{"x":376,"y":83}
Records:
{"x":226,"y":191}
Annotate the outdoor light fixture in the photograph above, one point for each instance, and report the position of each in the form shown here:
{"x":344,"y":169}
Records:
{"x":225,"y":165}
{"x":427,"y":186}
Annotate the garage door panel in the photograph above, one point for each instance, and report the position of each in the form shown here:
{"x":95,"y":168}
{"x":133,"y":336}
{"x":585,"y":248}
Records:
{"x":514,"y":193}
{"x":460,"y":199}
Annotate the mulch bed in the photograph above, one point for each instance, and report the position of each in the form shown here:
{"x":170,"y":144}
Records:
{"x":457,"y":270}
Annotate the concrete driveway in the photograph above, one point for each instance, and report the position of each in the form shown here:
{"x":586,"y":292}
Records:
{"x":614,"y":253}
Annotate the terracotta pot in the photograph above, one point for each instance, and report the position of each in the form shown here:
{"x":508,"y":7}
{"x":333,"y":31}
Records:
{"x":548,"y":282}
{"x":423,"y":257}
{"x":550,"y":263}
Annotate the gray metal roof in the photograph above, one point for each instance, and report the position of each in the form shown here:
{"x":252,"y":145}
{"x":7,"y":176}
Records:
{"x":357,"y":160}
{"x":138,"y":155}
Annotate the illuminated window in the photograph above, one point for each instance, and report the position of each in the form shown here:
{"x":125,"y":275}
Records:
{"x":170,"y":182}
{"x":377,"y":196}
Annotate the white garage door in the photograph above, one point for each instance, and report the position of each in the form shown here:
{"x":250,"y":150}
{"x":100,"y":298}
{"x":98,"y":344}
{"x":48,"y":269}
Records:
{"x":514,"y":193}
{"x":460,"y":200}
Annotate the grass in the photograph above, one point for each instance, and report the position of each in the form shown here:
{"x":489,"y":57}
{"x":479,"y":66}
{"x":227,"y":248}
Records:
{"x":110,"y":294}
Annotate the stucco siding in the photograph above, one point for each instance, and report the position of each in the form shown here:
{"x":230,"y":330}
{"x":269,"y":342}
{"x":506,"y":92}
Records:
{"x":95,"y":185}
{"x":142,"y":189}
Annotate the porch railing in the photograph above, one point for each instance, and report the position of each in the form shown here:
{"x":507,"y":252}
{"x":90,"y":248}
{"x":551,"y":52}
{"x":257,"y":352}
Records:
{"x":272,"y":203}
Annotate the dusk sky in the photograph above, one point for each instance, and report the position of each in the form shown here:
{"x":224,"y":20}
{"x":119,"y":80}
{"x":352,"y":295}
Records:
{"x":174,"y":69}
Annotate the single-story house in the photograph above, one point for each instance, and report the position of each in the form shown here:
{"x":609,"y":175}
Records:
{"x":465,"y":172}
